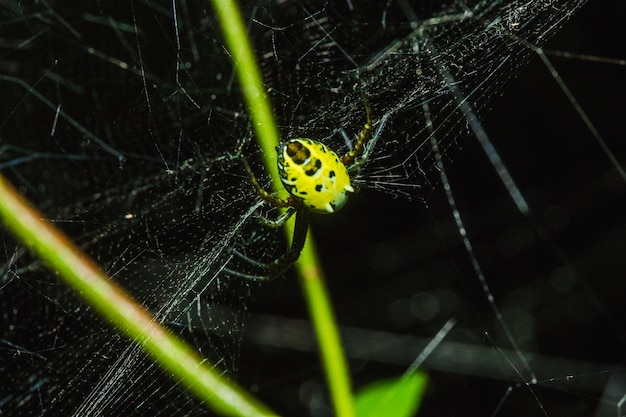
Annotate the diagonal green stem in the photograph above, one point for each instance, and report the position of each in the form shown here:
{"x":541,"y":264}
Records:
{"x":308,"y":266}
{"x":112,"y":303}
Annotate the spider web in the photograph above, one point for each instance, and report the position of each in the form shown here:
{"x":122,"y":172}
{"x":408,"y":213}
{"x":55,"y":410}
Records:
{"x":124,"y":124}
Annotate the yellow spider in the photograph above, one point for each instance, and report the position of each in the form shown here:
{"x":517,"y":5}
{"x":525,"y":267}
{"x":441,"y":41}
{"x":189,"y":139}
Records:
{"x":318,"y":181}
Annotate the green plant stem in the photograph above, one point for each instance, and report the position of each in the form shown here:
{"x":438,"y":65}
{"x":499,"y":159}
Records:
{"x":323,"y":317}
{"x":308,"y":266}
{"x":112,"y":303}
{"x":251,"y":83}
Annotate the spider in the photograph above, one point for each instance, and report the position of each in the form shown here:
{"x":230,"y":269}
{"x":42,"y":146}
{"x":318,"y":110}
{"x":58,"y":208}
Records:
{"x":318,"y":181}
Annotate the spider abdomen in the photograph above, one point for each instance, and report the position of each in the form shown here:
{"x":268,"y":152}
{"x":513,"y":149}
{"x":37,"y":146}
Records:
{"x":314,"y":174}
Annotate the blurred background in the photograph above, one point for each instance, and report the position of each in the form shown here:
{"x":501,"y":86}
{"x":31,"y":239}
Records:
{"x":123,"y":123}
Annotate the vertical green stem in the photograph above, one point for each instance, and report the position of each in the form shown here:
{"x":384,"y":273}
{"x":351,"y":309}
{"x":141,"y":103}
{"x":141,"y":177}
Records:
{"x":251,"y":83}
{"x":308,"y":266}
{"x":328,"y":339}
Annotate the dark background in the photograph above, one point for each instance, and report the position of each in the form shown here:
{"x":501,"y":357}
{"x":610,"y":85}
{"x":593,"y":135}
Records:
{"x":385,"y":257}
{"x":393,"y":266}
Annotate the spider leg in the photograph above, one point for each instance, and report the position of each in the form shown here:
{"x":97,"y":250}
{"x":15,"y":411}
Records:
{"x":288,"y":202}
{"x":280,"y":221}
{"x":303,"y":217}
{"x":364,"y":136}
{"x":272,"y":270}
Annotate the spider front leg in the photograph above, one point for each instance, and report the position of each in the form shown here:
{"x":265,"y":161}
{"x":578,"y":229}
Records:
{"x":364,"y":136}
{"x":288,"y":202}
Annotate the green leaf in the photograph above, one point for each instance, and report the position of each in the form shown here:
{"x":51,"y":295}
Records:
{"x":396,"y":397}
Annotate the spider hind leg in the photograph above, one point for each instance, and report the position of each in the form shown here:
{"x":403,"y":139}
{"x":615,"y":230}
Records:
{"x":272,"y":270}
{"x":279,"y":221}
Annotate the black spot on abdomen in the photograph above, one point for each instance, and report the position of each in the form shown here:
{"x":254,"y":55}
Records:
{"x":317,"y":166}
